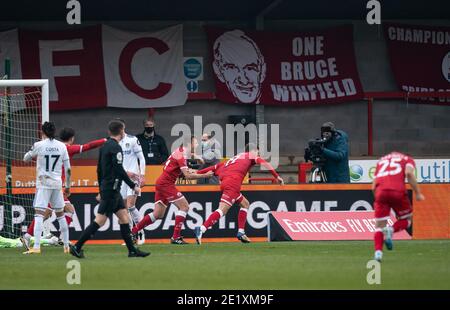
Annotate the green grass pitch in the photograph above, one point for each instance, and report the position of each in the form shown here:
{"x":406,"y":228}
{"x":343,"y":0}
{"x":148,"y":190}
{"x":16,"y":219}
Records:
{"x":282,"y":265}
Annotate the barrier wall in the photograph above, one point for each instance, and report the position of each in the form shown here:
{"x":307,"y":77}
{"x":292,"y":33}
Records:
{"x":431,"y":217}
{"x":82,"y":175}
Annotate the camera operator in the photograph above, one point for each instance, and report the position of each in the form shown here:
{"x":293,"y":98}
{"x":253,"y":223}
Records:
{"x":335,"y":151}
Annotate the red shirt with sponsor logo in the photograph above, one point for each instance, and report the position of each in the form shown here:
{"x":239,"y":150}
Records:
{"x":238,"y":166}
{"x":172,"y":167}
{"x":391,"y":170}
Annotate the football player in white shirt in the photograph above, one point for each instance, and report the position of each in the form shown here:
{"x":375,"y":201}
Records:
{"x":134,"y":165}
{"x":51,"y":155}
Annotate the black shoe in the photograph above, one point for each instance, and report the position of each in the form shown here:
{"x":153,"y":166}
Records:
{"x":179,"y":240}
{"x":138,"y":253}
{"x":75,"y":252}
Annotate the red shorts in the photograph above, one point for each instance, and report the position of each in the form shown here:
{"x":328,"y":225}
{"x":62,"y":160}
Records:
{"x":167,"y":194}
{"x":385,"y":200}
{"x":231,"y":192}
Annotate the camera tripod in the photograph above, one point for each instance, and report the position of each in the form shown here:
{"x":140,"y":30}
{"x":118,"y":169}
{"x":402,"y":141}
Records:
{"x":317,"y":175}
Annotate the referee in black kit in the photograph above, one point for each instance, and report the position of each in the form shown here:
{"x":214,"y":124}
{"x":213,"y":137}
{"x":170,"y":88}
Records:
{"x":110,"y":174}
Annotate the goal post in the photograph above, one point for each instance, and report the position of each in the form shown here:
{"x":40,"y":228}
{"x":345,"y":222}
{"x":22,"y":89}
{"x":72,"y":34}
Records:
{"x":42,"y":83}
{"x":24,"y":106}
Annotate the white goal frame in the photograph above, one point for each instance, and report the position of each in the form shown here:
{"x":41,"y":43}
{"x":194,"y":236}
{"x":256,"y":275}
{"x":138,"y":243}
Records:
{"x":43,"y":83}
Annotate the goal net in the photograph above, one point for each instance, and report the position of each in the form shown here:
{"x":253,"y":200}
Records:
{"x":23,"y":108}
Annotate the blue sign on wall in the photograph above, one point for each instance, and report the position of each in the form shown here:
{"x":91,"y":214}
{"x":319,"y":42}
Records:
{"x":193,"y":68}
{"x":192,"y":86}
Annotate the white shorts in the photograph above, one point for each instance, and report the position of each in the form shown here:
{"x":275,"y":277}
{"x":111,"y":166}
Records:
{"x":45,"y":196}
{"x":126,"y":191}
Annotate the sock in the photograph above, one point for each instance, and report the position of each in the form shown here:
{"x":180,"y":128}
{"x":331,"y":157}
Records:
{"x":49,"y":241}
{"x":126,"y":236}
{"x":400,"y":225}
{"x":38,"y":227}
{"x":135,"y":215}
{"x":68,"y":217}
{"x":64,"y":229}
{"x":87,"y":234}
{"x":242,"y":219}
{"x":30,"y":229}
{"x":147,"y":220}
{"x":179,"y":220}
{"x":46,"y":229}
{"x":212,"y":219}
{"x":378,"y":240}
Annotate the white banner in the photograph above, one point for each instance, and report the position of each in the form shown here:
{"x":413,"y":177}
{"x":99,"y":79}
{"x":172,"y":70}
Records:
{"x":427,"y":170}
{"x":142,"y":69}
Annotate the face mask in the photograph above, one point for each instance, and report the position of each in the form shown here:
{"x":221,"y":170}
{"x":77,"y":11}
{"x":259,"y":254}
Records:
{"x":149,"y":129}
{"x":204,"y":144}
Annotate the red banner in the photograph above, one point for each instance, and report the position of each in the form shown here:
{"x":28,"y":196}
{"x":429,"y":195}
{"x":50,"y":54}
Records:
{"x":354,"y":225}
{"x":71,"y":60}
{"x":100,"y":66}
{"x":420,"y":58}
{"x":284,"y":68}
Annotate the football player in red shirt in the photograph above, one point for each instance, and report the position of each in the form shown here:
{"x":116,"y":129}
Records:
{"x":166,"y":192}
{"x":390,"y":193}
{"x":67,"y":136}
{"x":231,"y":176}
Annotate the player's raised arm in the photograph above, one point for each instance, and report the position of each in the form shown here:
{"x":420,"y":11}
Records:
{"x":411,"y":177}
{"x":28,"y":156}
{"x":269,"y":167}
{"x":92,"y":145}
{"x":67,"y":135}
{"x":31,"y":153}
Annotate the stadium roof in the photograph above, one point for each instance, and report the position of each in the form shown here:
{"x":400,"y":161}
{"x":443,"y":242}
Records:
{"x":107,"y":10}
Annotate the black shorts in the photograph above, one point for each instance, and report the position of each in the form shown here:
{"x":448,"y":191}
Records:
{"x":110,"y":202}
